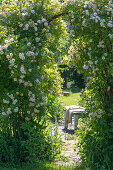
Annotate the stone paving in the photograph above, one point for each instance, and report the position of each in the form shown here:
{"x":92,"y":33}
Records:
{"x":69,"y":157}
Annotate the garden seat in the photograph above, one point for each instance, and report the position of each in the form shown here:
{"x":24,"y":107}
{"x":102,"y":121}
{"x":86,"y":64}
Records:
{"x":69,"y":112}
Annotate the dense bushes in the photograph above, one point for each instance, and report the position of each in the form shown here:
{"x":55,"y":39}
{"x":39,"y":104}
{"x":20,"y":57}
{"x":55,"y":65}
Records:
{"x":90,"y":27}
{"x":28,"y":79}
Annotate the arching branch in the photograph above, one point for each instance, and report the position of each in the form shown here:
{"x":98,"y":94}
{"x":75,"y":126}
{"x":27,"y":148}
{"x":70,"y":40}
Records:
{"x":57,"y":16}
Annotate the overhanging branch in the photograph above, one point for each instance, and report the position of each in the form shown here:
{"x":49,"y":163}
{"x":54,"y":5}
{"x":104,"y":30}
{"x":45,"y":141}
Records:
{"x":57,"y":16}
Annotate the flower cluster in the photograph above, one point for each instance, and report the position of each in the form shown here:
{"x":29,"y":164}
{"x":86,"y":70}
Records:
{"x":25,"y":53}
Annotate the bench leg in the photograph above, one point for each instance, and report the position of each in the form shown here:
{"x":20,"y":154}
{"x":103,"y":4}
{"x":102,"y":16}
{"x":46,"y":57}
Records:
{"x":75,"y":121}
{"x":65,"y":120}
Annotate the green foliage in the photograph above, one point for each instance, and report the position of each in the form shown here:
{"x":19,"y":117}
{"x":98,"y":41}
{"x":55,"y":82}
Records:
{"x":54,"y":108}
{"x":31,"y":34}
{"x":36,"y":144}
{"x":28,"y":79}
{"x":90,"y":28}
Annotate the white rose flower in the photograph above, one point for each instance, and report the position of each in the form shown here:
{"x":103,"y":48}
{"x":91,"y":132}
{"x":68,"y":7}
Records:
{"x":22,"y":70}
{"x":96,"y":61}
{"x":26,"y":13}
{"x":6,"y":101}
{"x":20,"y":25}
{"x":15,"y":79}
{"x":9,"y":111}
{"x":32,"y":11}
{"x":22,"y":76}
{"x":35,"y":28}
{"x":6,"y":41}
{"x":26,"y":26}
{"x":38,"y":67}
{"x":28,"y":112}
{"x":109,"y":24}
{"x":42,"y":77}
{"x":105,"y":54}
{"x":43,"y":19}
{"x":45,"y":24}
{"x":103,"y":57}
{"x":30,"y":70}
{"x":32,"y":99}
{"x":90,"y":40}
{"x":27,"y":119}
{"x":37,"y":39}
{"x":87,"y":12}
{"x":110,"y":36}
{"x":21,"y":56}
{"x":37,"y":81}
{"x":49,"y":34}
{"x":40,"y":44}
{"x":39,"y":21}
{"x":28,"y":44}
{"x":15,"y":101}
{"x":3,"y":113}
{"x":16,"y":109}
{"x":85,"y":67}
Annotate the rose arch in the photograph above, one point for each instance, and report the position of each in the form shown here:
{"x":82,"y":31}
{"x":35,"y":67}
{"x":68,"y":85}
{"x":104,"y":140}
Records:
{"x":33,"y":37}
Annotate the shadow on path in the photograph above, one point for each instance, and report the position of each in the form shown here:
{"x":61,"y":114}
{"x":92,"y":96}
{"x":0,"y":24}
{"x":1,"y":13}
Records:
{"x":69,"y":131}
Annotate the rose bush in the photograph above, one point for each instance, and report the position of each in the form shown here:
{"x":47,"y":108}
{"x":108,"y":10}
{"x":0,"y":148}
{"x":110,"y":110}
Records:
{"x":28,"y":76}
{"x":91,"y":29}
{"x":32,"y":33}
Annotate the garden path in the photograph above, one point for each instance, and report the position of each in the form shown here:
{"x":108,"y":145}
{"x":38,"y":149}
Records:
{"x":68,"y":156}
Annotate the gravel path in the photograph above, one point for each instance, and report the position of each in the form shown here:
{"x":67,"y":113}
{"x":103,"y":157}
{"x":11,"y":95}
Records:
{"x":68,"y":157}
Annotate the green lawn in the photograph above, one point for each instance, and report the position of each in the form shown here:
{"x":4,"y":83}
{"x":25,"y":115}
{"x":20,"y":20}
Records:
{"x":72,"y":99}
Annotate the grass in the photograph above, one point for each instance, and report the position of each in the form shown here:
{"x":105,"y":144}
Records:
{"x":72,"y":99}
{"x":38,"y":166}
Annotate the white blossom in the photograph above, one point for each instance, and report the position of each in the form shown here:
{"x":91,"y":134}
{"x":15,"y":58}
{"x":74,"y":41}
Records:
{"x":37,"y":81}
{"x":6,"y":101}
{"x":6,"y":41}
{"x":103,"y":57}
{"x":30,"y":70}
{"x":32,"y":11}
{"x":27,"y":119}
{"x":39,"y":21}
{"x":28,"y":44}
{"x":36,"y":29}
{"x":26,"y":26}
{"x":110,"y":36}
{"x":3,"y":113}
{"x":9,"y":111}
{"x":16,"y":109}
{"x":45,"y":24}
{"x":22,"y":70}
{"x":28,"y":112}
{"x":20,"y":25}
{"x":96,"y":61}
{"x":87,"y":12}
{"x":15,"y":101}
{"x":85,"y":67}
{"x":37,"y":39}
{"x":15,"y":79}
{"x":21,"y":56}
{"x":38,"y":67}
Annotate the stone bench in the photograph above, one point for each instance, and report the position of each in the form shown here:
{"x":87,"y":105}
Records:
{"x":71,"y":111}
{"x":66,"y":93}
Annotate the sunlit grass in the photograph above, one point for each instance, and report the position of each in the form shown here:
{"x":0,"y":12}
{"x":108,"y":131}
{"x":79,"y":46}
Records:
{"x":39,"y":166}
{"x":72,"y":99}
